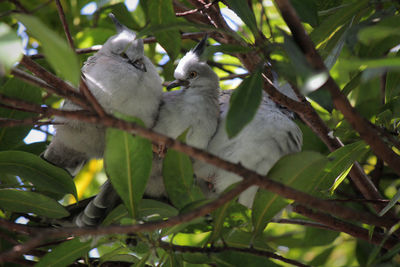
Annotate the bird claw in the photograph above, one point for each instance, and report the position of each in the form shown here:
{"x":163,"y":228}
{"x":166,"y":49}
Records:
{"x":160,"y":150}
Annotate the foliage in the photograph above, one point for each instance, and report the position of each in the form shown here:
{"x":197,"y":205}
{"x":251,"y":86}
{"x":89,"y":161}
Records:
{"x":358,"y":41}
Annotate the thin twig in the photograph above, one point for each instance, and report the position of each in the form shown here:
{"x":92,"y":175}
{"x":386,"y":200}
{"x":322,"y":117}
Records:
{"x":270,"y":185}
{"x":196,"y":10}
{"x":90,"y":97}
{"x":208,"y":250}
{"x":63,"y":88}
{"x":367,"y":132}
{"x":302,"y":222}
{"x":342,"y":226}
{"x":49,"y":234}
{"x":61,"y":14}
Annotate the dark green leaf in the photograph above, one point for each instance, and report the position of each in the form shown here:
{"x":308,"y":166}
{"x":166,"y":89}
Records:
{"x":300,"y":171}
{"x":322,"y":257}
{"x":60,"y":56}
{"x":233,"y":258}
{"x":319,"y":237}
{"x":128,"y":161}
{"x":65,"y":253}
{"x":391,"y":204}
{"x":387,"y":27}
{"x":12,"y":136}
{"x":30,"y":202}
{"x":307,"y":11}
{"x":179,"y":179}
{"x":340,"y":17}
{"x":243,"y":10}
{"x":162,"y":13}
{"x":10,"y":48}
{"x":43,"y":175}
{"x":392,"y":88}
{"x":244,"y":103}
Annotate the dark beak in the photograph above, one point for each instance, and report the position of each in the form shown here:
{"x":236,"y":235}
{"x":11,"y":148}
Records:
{"x":139,"y":65}
{"x":177,"y":83}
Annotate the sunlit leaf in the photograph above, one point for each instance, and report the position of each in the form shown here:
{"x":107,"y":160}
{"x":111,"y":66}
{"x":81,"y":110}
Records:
{"x":65,"y":253}
{"x":45,"y":176}
{"x":10,"y":48}
{"x":162,"y":13}
{"x":31,"y":202}
{"x":243,"y":10}
{"x":244,"y":103}
{"x":60,"y":56}
{"x":128,"y":161}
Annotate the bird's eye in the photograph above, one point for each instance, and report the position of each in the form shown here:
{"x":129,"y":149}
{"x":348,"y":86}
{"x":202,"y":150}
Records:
{"x":124,"y":55}
{"x":192,"y":74}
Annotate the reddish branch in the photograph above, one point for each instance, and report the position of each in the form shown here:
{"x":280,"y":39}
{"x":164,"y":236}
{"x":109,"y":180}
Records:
{"x":360,"y":124}
{"x":304,"y":109}
{"x":208,"y":250}
{"x":61,"y":14}
{"x":260,"y":180}
{"x":349,"y":228}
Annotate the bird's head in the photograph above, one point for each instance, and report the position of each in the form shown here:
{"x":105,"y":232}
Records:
{"x":126,"y":46}
{"x":193,"y":72}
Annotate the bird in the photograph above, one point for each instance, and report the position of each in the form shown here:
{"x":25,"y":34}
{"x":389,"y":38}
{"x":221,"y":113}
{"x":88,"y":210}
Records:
{"x":194,"y":108}
{"x":271,"y":135}
{"x":123,"y":80}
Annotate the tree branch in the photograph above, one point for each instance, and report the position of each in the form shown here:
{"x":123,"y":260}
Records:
{"x":267,"y":254}
{"x":62,"y":88}
{"x":61,"y":14}
{"x":238,"y":169}
{"x":346,"y":227}
{"x":361,"y":125}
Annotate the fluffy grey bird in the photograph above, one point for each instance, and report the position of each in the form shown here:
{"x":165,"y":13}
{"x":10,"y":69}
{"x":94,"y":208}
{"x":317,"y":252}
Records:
{"x":269,"y":136}
{"x":122,"y":79}
{"x":194,"y":108}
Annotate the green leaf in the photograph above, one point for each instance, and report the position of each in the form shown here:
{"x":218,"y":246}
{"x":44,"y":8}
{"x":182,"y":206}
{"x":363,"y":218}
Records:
{"x":307,"y":11}
{"x":340,"y":17}
{"x":322,"y":257}
{"x":60,"y":56}
{"x":243,"y":10}
{"x":178,"y":177}
{"x":142,"y":262}
{"x":234,"y":258}
{"x":10,"y":48}
{"x":244,"y":103}
{"x":43,"y":175}
{"x":151,"y":207}
{"x":391,"y":204}
{"x":65,"y":253}
{"x":128,"y":161}
{"x":162,"y":12}
{"x":218,"y":221}
{"x":342,"y":159}
{"x":392,"y":88}
{"x":300,"y":171}
{"x":387,"y":27}
{"x":10,"y":137}
{"x":30,"y":202}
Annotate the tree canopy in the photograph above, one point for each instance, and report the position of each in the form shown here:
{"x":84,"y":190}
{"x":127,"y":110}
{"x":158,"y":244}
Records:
{"x":341,"y":59}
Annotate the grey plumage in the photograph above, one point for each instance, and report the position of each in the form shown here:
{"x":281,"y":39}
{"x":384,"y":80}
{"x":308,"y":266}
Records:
{"x":194,"y":107}
{"x":269,"y":136}
{"x":122,"y":79}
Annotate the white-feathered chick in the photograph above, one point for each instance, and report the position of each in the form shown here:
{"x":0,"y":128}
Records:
{"x":122,"y":79}
{"x":269,"y":136}
{"x":194,"y":108}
